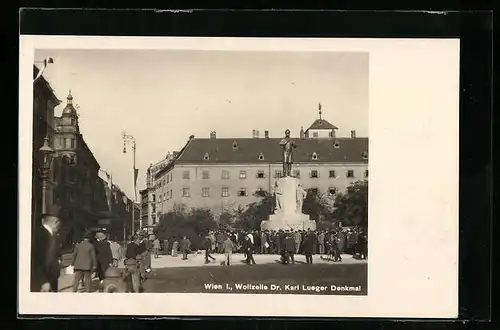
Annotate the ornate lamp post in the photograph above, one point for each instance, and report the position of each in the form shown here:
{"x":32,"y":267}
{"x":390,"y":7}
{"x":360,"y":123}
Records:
{"x":129,"y":139}
{"x":45,"y":159}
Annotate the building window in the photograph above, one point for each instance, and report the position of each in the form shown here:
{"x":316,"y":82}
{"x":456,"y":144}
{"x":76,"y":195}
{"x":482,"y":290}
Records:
{"x":314,"y":174}
{"x":185,"y":192}
{"x":243,"y":174}
{"x":168,"y":178}
{"x":260,"y":175}
{"x":242,"y":192}
{"x":365,"y":155}
{"x":72,"y":160}
{"x":206,"y":157}
{"x":315,"y":134}
{"x":205,"y":175}
{"x":185,"y":175}
{"x":171,"y":196}
{"x":332,"y":191}
{"x":235,"y":145}
{"x":336,"y":144}
{"x":261,"y":156}
{"x":163,"y":182}
{"x":296,"y":173}
{"x":225,"y":175}
{"x":314,"y":156}
{"x":205,"y":192}
{"x":332,"y":174}
{"x":153,"y":197}
{"x":225,"y":191}
{"x":366,"y":173}
{"x":171,"y":177}
{"x":350,"y":174}
{"x":277,"y":173}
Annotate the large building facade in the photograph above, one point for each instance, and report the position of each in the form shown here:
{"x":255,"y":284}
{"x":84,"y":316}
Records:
{"x":224,"y":174}
{"x":75,"y":192}
{"x":148,"y":195}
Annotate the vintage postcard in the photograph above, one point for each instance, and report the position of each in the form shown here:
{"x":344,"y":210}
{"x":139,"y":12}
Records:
{"x":238,"y":176}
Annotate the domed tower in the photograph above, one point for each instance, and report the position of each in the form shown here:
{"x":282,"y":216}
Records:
{"x":67,"y":130}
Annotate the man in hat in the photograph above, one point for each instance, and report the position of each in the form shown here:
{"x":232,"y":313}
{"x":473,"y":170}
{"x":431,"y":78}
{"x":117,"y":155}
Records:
{"x":132,"y":266}
{"x":104,"y":255}
{"x":84,"y":263}
{"x":45,"y":268}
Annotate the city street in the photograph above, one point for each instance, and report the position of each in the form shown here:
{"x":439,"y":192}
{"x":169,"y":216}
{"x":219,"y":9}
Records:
{"x":172,"y":274}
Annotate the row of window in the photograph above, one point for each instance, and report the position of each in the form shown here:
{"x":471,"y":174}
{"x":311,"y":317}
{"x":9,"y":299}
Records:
{"x":241,"y":192}
{"x":205,"y":175}
{"x":277,"y":174}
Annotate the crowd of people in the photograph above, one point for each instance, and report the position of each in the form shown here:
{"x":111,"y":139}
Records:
{"x":97,"y":255}
{"x":287,"y":243}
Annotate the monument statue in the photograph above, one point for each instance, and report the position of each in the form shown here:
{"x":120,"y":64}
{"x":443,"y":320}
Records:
{"x":288,"y":196}
{"x":288,"y":145}
{"x":301,"y":194}
{"x":277,"y":197}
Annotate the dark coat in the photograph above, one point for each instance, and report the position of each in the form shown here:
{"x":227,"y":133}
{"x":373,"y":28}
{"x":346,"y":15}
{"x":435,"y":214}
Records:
{"x":84,"y":256}
{"x":103,"y":253}
{"x":185,"y":245}
{"x":289,"y":244}
{"x":45,"y":256}
{"x":310,"y":241}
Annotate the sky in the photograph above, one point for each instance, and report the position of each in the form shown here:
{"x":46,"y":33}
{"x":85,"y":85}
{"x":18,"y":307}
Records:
{"x":161,"y":97}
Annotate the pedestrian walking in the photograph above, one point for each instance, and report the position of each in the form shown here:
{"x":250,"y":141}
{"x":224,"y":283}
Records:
{"x":156,"y":247}
{"x":185,"y":247}
{"x":84,"y":263}
{"x":104,"y":255}
{"x":248,"y":247}
{"x":208,"y":246}
{"x":228,"y":246}
{"x":45,"y":269}
{"x":132,"y":272}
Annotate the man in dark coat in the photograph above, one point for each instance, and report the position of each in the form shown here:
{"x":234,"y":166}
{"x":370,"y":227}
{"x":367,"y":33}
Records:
{"x":185,"y":247}
{"x":248,"y":248}
{"x":207,"y":244}
{"x":45,"y":254}
{"x":104,"y":255}
{"x":310,"y":242}
{"x":84,"y":263}
{"x":289,"y":249}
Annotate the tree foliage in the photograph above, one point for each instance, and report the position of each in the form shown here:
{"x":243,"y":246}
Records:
{"x":251,"y":217}
{"x":316,"y":206}
{"x":182,"y":221}
{"x":351,"y":207}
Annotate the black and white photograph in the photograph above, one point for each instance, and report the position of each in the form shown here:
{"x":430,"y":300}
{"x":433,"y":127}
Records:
{"x":201,"y":169}
{"x":162,"y":173}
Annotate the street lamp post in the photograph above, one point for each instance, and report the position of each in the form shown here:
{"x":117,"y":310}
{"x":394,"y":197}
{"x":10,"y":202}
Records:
{"x":46,"y":157}
{"x":129,"y":139}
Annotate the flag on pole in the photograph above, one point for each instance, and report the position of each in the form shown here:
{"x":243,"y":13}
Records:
{"x":319,"y":106}
{"x":136,"y":173}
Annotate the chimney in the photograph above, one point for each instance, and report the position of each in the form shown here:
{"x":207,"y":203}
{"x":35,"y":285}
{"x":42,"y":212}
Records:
{"x":257,"y":134}
{"x":266,"y":134}
{"x":353,"y":134}
{"x":302,"y":134}
{"x":213,"y":135}
{"x":253,"y":133}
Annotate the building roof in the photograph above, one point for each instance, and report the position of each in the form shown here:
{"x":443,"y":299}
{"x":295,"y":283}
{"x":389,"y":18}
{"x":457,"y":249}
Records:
{"x":248,"y":150}
{"x":322,"y":124}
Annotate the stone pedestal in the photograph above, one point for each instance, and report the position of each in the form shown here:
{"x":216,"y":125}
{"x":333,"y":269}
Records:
{"x":288,"y":217}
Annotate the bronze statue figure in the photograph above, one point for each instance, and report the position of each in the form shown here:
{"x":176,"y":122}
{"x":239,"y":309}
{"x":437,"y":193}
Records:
{"x":288,"y":145}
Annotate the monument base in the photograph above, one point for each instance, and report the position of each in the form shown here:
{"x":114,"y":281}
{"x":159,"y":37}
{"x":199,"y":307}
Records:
{"x":294,"y":221}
